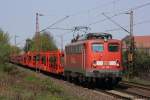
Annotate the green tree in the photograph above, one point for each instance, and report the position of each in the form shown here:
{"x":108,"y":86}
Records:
{"x":4,"y":47}
{"x":45,"y":43}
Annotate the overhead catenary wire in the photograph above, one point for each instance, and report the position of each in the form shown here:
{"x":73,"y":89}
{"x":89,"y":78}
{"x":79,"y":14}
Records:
{"x":141,"y":6}
{"x":116,"y":23}
{"x":58,"y":21}
{"x":120,"y":13}
{"x":59,"y":28}
{"x":139,"y":23}
{"x":102,"y":20}
{"x":74,"y":29}
{"x":94,"y":8}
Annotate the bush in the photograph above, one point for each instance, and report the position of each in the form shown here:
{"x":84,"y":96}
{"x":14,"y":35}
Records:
{"x":4,"y":47}
{"x":5,"y":50}
{"x":141,"y":63}
{"x":4,"y":53}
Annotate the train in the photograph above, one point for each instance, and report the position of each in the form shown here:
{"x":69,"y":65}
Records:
{"x":89,"y":58}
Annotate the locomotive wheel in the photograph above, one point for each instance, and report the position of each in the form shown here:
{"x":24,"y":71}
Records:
{"x":80,"y":79}
{"x":108,"y":83}
{"x":64,"y":78}
{"x":68,"y":78}
{"x":75,"y":80}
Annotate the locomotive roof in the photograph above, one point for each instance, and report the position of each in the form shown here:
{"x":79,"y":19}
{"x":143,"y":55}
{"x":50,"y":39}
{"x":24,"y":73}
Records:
{"x":99,"y":35}
{"x":92,"y":37}
{"x":92,"y":41}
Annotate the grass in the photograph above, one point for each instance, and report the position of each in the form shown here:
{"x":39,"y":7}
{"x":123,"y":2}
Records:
{"x":23,"y":85}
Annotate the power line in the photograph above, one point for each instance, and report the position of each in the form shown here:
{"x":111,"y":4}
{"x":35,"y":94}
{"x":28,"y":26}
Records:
{"x":58,"y":21}
{"x":102,"y":20}
{"x":108,"y":3}
{"x":76,"y":28}
{"x":59,"y":28}
{"x":139,"y":23}
{"x":116,"y":23}
{"x":94,"y":8}
{"x":141,"y":6}
{"x":121,"y":12}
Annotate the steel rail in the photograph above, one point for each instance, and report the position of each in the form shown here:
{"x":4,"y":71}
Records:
{"x":136,"y":85}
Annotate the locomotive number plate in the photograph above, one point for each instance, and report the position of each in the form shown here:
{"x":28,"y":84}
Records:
{"x":106,"y":63}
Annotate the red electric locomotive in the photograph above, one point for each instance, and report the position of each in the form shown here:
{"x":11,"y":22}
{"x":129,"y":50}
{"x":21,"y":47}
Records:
{"x":94,"y":57}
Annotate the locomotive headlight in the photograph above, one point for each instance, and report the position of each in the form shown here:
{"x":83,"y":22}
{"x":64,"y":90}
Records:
{"x":114,"y":63}
{"x":94,"y":64}
{"x":117,"y":63}
{"x":97,"y":63}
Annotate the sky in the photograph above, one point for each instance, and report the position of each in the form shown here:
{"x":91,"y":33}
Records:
{"x":18,"y":17}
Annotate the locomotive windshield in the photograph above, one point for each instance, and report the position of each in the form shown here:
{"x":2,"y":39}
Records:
{"x":113,"y":47}
{"x":97,"y":47}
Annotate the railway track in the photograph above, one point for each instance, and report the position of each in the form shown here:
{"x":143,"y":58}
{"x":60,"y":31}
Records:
{"x":123,"y":95}
{"x":132,"y":90}
{"x":114,"y":94}
{"x":129,"y":84}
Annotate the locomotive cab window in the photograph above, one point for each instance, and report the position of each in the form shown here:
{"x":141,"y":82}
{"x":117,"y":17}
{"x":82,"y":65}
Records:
{"x":113,"y":47}
{"x":97,"y":47}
